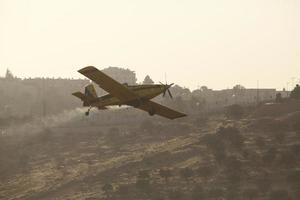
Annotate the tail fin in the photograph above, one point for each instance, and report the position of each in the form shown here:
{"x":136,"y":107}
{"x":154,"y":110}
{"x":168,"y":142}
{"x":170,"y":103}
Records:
{"x":90,"y":91}
{"x":88,"y":96}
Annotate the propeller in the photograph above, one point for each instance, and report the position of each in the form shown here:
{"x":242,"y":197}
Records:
{"x":166,"y":89}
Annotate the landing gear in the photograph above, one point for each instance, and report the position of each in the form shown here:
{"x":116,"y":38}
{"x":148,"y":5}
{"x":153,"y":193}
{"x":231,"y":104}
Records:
{"x":151,"y":112}
{"x":87,"y":113}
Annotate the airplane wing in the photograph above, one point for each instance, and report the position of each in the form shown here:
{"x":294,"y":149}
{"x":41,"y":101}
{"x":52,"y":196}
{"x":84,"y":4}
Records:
{"x":124,"y":94}
{"x":108,"y":84}
{"x":158,"y":109}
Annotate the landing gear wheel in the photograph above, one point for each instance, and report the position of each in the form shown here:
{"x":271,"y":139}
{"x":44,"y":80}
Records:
{"x":151,"y":112}
{"x":87,"y":113}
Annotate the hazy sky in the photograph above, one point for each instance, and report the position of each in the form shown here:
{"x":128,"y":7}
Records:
{"x":217,"y":43}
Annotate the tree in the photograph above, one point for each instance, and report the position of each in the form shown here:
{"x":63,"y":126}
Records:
{"x":9,"y":75}
{"x":203,"y":88}
{"x":122,"y":75}
{"x":148,"y":80}
{"x":238,"y":89}
{"x":295,"y":94}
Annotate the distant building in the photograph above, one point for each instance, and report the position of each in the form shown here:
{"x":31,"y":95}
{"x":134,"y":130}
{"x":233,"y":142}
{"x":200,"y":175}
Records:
{"x":284,"y":93}
{"x":216,"y":99}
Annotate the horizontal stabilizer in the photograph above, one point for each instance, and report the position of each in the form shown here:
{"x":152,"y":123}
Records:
{"x":80,"y":96}
{"x":87,"y":100}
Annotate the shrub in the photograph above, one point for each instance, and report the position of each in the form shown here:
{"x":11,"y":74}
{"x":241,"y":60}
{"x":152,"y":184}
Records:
{"x":293,"y":179}
{"x":144,"y":174}
{"x":206,"y":172}
{"x":287,"y":159}
{"x":143,"y":185}
{"x":264,"y":184}
{"x":214,"y":142}
{"x":295,"y":149}
{"x":215,"y":193}
{"x":217,"y":146}
{"x":124,"y":190}
{"x":279,"y":137}
{"x":147,"y":126}
{"x":296,"y":127}
{"x":232,"y":194}
{"x":197,"y":193}
{"x":200,"y":121}
{"x":279,"y":195}
{"x":270,"y":156}
{"x":186,"y":173}
{"x":165,"y":173}
{"x":260,"y":142}
{"x":295,"y":94}
{"x":108,"y":189}
{"x":250,"y":194}
{"x":233,"y":170}
{"x":176,"y":195}
{"x":113,"y":133}
{"x":235,"y":111}
{"x":232,"y":135}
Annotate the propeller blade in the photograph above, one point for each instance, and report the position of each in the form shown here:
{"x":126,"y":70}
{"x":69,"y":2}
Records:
{"x":170,"y":94}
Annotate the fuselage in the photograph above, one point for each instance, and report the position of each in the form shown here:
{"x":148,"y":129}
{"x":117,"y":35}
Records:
{"x":143,"y":91}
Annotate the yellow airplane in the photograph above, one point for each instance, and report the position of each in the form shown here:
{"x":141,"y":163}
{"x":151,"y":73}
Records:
{"x":137,"y":96}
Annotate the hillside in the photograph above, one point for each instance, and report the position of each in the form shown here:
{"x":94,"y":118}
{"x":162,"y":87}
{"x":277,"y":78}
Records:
{"x":135,"y":156}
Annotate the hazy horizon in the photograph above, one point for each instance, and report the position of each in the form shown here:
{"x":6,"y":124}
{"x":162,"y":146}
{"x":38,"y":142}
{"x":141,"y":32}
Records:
{"x":214,"y":43}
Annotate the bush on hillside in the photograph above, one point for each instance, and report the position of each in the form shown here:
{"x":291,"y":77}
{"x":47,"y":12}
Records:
{"x":279,"y":195}
{"x":295,"y":94}
{"x":231,"y":135}
{"x":235,"y":111}
{"x":186,"y":173}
